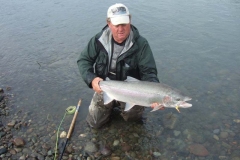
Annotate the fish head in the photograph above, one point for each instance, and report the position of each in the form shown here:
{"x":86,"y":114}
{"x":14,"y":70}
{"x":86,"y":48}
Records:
{"x":177,"y":99}
{"x":181,"y":102}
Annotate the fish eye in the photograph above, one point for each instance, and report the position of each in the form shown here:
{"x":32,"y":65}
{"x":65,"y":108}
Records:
{"x":178,"y":99}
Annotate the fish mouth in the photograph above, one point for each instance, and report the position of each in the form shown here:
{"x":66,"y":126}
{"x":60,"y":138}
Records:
{"x":184,"y":104}
{"x":187,"y":99}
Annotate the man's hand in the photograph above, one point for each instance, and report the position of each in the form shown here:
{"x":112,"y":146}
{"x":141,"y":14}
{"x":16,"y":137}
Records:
{"x":153,"y":105}
{"x":95,"y":84}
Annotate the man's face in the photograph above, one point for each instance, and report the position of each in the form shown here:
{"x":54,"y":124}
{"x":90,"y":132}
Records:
{"x":120,"y":32}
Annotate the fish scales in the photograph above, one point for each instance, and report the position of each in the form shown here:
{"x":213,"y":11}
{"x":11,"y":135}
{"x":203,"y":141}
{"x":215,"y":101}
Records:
{"x":143,"y":93}
{"x":130,"y":92}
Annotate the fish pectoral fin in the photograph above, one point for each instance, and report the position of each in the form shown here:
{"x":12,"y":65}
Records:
{"x":128,"y":106}
{"x":106,"y":98}
{"x":157,"y":107}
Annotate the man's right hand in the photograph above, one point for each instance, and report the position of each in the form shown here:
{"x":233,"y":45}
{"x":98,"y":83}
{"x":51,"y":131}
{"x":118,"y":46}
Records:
{"x":95,"y":84}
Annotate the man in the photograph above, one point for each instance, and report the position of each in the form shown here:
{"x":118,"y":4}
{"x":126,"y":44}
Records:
{"x":116,"y":52}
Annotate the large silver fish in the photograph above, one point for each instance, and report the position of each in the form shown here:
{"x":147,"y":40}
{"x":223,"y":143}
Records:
{"x":143,"y":93}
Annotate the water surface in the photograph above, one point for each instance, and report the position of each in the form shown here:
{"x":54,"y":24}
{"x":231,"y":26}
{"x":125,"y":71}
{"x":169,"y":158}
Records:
{"x":195,"y":44}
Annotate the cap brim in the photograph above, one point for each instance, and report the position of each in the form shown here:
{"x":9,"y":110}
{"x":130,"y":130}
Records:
{"x":120,"y":20}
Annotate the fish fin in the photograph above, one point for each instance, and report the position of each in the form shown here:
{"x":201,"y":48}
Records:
{"x":106,"y":98}
{"x":157,"y":108}
{"x":131,"y":79}
{"x":128,"y":106}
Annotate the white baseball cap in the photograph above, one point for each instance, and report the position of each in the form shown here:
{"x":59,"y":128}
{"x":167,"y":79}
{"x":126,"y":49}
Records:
{"x":119,"y":14}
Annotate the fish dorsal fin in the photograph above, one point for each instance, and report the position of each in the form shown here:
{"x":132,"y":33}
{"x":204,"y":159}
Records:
{"x":106,"y":98}
{"x":128,"y":106}
{"x":131,"y":79}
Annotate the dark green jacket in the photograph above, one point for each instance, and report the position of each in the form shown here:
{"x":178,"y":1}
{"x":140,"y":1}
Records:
{"x":136,"y":59}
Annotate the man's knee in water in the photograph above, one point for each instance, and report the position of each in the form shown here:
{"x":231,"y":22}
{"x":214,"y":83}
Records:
{"x":93,"y":124}
{"x":134,"y":114}
{"x":99,"y":114}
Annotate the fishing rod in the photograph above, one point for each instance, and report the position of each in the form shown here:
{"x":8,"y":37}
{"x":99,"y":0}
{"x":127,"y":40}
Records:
{"x":71,"y":128}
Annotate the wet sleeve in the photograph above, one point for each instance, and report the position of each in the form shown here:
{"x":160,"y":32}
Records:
{"x":86,"y":62}
{"x":147,"y":65}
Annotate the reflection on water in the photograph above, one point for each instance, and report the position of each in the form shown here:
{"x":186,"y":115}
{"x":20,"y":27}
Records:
{"x":196,"y":46}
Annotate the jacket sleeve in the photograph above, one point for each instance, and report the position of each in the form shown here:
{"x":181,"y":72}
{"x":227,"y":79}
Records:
{"x":147,"y":65}
{"x":86,"y":61}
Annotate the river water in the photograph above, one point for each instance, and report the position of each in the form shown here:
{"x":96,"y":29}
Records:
{"x":195,"y":44}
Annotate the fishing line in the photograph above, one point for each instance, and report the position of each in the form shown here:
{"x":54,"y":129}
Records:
{"x":69,"y":110}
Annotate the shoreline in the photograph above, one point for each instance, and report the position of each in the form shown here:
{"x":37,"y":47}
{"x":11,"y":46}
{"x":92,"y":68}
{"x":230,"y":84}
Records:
{"x":5,"y":131}
{"x":23,"y":138}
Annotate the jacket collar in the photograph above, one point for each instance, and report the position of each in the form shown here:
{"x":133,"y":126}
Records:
{"x":106,"y":39}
